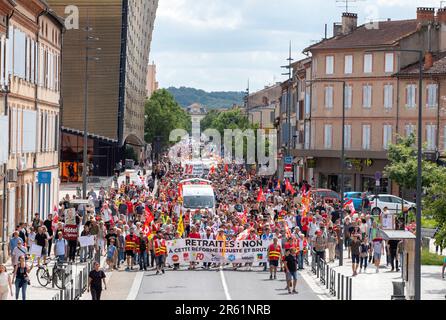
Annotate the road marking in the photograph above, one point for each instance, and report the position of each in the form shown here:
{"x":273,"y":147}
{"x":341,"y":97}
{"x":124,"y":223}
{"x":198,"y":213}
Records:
{"x":225,"y":285}
{"x":136,"y":286}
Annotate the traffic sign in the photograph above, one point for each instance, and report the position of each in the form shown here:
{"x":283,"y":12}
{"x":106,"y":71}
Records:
{"x":288,"y":168}
{"x":378,"y":175}
{"x":288,"y":175}
{"x":288,"y":160}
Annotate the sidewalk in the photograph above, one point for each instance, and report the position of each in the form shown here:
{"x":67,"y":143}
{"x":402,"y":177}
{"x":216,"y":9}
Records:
{"x":370,"y":285}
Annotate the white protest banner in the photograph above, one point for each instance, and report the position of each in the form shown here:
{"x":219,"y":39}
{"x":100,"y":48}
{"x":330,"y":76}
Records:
{"x":86,"y":241}
{"x":184,"y":251}
{"x":35,"y":250}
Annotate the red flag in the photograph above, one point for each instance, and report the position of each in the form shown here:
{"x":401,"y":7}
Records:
{"x":149,"y":216}
{"x":180,"y":192}
{"x":261,"y":196}
{"x":212,"y":171}
{"x":289,"y":187}
{"x":226,"y":168}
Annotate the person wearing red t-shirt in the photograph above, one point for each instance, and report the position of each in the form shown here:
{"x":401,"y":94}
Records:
{"x":305,"y":221}
{"x":193,"y":235}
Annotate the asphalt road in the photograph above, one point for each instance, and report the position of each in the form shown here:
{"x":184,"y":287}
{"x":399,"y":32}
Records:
{"x":220,"y":285}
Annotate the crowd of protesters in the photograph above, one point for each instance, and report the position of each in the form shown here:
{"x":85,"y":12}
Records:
{"x":248,"y":207}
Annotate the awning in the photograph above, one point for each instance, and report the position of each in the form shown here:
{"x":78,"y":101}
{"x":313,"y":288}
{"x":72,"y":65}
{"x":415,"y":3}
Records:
{"x":396,"y":235}
{"x":90,"y":135}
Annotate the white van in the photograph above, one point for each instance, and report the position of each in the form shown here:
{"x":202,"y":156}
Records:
{"x":198,"y":194}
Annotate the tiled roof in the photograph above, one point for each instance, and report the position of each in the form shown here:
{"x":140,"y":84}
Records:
{"x":438,"y":68}
{"x":388,"y":33}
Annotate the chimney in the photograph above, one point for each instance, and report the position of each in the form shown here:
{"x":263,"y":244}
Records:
{"x":441,"y":15}
{"x":428,"y":60}
{"x":337,"y":29}
{"x":349,"y":22}
{"x":425,"y":15}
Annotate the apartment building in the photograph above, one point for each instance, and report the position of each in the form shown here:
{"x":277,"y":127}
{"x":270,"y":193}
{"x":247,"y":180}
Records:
{"x":117,"y":86}
{"x":378,"y":104}
{"x":263,"y":106}
{"x":31,"y":43}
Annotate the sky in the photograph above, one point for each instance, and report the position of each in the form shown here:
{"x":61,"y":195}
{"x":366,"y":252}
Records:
{"x":217,"y":45}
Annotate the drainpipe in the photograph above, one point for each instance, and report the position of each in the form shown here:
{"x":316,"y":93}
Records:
{"x":5,"y":179}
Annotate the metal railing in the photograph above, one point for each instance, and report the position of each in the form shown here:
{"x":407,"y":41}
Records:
{"x":337,"y":284}
{"x":75,"y":290}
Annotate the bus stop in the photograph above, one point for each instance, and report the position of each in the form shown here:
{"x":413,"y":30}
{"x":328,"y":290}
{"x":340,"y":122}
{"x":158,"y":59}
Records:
{"x":407,"y":263}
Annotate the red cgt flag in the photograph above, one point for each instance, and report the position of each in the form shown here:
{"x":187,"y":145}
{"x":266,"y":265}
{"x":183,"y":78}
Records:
{"x":289,"y":187}
{"x":149,"y":216}
{"x":261,"y":196}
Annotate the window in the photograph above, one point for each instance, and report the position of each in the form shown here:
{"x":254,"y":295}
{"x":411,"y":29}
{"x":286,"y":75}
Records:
{"x":348,"y":136}
{"x":348,"y":96}
{"x":29,"y":131}
{"x":329,"y":97}
{"x":307,"y":103}
{"x":348,"y":64}
{"x":366,"y":130}
{"x":387,"y":136}
{"x":368,"y":63}
{"x":328,"y":131}
{"x":410,"y":129}
{"x":19,"y":54}
{"x":389,"y":57}
{"x":367,"y":96}
{"x":411,"y":90}
{"x":329,"y":64}
{"x":431,"y":133}
{"x":432,"y":101}
{"x":388,"y":96}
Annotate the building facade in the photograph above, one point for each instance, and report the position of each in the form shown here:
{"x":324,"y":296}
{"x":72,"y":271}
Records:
{"x":378,"y":104}
{"x":31,"y":44}
{"x":152,"y":84}
{"x":117,"y":82}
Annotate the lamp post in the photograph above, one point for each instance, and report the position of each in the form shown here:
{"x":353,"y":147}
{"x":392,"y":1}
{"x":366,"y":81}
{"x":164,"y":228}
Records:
{"x":341,"y":242}
{"x":417,"y":269}
{"x":89,"y":38}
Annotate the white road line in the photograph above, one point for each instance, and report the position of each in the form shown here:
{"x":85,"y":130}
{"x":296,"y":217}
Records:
{"x":136,"y":286}
{"x":225,"y":285}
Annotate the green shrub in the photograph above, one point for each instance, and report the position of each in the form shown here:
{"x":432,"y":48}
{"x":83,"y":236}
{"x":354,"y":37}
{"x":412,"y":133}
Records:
{"x":431,"y":259}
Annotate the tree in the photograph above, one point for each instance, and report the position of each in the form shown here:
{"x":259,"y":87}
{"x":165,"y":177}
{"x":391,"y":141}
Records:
{"x":162,"y":115}
{"x":403,"y":170}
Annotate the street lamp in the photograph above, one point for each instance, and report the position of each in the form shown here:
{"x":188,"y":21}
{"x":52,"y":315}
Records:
{"x":341,"y":243}
{"x":88,"y":58}
{"x":417,"y":271}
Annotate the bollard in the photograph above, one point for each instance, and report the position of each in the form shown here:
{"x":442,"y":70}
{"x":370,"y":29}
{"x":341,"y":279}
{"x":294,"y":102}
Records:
{"x":342,"y":287}
{"x":350,"y":292}
{"x":339,"y":285}
{"x":327,"y":280}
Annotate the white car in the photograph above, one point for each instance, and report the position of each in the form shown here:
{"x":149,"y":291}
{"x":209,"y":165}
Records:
{"x":392,"y":202}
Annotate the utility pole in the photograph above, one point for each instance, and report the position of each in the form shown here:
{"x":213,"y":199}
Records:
{"x":88,"y":38}
{"x":288,"y":108}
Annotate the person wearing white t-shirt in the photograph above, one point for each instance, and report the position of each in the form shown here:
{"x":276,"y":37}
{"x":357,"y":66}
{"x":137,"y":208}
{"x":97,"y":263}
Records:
{"x":5,"y":283}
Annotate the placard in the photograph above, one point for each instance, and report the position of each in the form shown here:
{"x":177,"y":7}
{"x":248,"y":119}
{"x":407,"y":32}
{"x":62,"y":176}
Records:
{"x":35,"y":250}
{"x":86,"y":241}
{"x":70,"y":216}
{"x":70,"y":232}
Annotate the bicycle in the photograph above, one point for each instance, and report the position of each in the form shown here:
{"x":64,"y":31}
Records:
{"x":57,"y":277}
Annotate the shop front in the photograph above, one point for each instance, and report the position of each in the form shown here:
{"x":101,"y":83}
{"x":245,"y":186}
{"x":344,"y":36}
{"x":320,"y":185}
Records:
{"x":359,"y":174}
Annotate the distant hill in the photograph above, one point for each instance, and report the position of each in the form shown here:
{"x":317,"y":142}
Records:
{"x":213,"y":100}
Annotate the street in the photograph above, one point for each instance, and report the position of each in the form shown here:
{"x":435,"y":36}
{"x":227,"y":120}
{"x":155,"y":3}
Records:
{"x":219,"y":285}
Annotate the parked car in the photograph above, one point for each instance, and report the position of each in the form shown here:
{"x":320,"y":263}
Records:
{"x":356,"y":196}
{"x":393,"y":203}
{"x":326,"y":195}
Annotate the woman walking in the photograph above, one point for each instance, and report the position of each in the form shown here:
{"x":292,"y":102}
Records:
{"x":5,"y":283}
{"x":21,"y":278}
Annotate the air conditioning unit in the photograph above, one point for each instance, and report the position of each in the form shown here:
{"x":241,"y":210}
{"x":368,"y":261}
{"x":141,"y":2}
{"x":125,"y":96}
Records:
{"x":12,"y":175}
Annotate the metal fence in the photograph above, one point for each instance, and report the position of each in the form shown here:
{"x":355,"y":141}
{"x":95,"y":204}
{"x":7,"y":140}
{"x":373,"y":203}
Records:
{"x":337,"y":284}
{"x":74,"y":290}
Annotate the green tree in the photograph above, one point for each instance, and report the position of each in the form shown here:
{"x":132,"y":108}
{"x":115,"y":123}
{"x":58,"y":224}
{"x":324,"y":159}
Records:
{"x":162,"y":115}
{"x":403,"y":170}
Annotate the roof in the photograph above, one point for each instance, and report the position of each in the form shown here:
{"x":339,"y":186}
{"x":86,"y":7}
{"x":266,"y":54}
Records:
{"x":396,"y":235}
{"x":438,"y":68}
{"x":198,"y":190}
{"x":389,"y":33}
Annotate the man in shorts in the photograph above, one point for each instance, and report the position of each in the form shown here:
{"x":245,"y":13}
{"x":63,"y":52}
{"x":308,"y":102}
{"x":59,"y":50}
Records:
{"x":131,"y":243}
{"x":274,"y":253}
{"x":355,"y":246}
{"x":378,"y":250}
{"x":291,"y":269}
